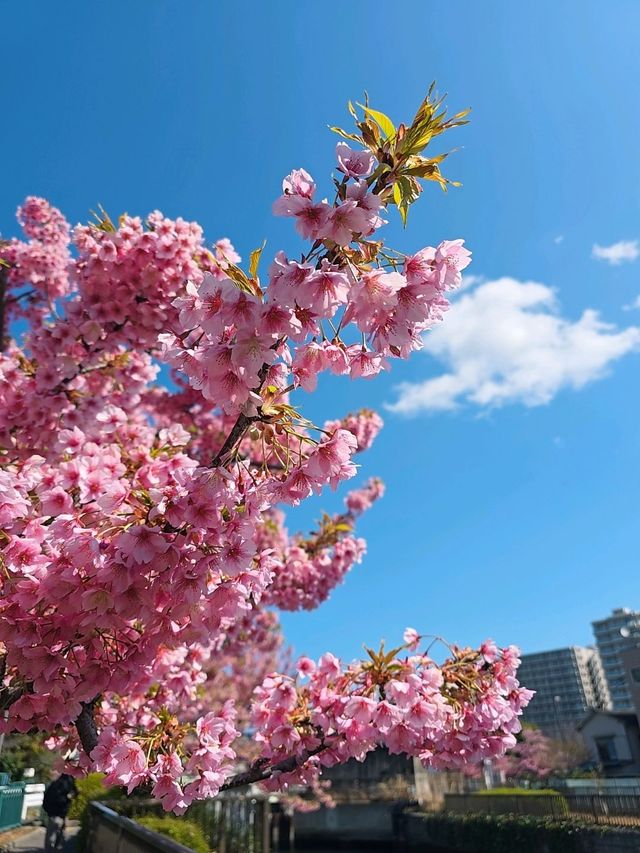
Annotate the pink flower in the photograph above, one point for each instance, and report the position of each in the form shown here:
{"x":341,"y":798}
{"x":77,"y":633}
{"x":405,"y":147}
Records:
{"x":451,"y":258}
{"x":360,"y":709}
{"x":343,"y":222}
{"x":331,"y":455}
{"x":305,"y":666}
{"x":354,"y":164}
{"x":142,"y":544}
{"x":311,"y":219}
{"x":489,"y":651}
{"x":299,"y":182}
{"x":56,"y":502}
{"x":411,"y":638}
{"x":129,"y":765}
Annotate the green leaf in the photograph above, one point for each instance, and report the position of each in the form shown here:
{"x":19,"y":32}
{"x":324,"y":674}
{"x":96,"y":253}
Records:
{"x":390,"y":655}
{"x":370,"y":134}
{"x":254,"y":260}
{"x":423,"y":168}
{"x":238,"y":278}
{"x":383,"y":121}
{"x":103,"y":221}
{"x":353,"y":136}
{"x":426,"y":107}
{"x":402,"y":206}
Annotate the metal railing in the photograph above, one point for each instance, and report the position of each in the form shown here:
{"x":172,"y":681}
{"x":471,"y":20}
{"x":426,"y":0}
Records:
{"x":11,"y":799}
{"x":614,"y":808}
{"x":230,"y":823}
{"x":234,"y":824}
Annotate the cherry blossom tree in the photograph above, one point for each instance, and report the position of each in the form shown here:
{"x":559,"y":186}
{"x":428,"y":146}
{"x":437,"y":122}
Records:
{"x":143,"y":543}
{"x":538,"y":756}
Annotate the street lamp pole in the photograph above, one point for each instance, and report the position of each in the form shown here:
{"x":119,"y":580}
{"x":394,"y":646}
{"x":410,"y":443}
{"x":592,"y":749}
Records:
{"x":556,"y":704}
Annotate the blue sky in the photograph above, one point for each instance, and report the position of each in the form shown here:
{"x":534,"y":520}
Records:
{"x":517,"y":521}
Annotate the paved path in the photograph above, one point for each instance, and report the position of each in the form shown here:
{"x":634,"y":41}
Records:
{"x":34,"y":842}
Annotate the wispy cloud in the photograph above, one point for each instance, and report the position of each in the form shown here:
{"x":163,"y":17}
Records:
{"x":618,"y":253}
{"x":557,"y":240}
{"x":632,"y":306}
{"x":506,"y":341}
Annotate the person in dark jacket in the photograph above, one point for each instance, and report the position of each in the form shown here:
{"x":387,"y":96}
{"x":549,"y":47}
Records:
{"x":56,"y":802}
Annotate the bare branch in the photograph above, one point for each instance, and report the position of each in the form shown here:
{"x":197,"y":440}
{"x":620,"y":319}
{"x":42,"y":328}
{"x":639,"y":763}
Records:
{"x":86,"y":726}
{"x":258,"y":772}
{"x":4,"y":275}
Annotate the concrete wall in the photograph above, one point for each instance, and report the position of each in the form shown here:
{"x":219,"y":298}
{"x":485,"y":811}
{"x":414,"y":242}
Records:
{"x":33,"y":797}
{"x":347,"y":822}
{"x":111,"y":833}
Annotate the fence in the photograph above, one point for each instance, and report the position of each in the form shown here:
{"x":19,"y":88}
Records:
{"x":11,"y":798}
{"x":231,"y":823}
{"x":614,"y":808}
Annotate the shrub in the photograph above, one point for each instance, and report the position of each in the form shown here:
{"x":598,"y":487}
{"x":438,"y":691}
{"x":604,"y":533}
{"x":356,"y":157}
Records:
{"x":541,"y":802}
{"x":508,"y":833}
{"x":90,"y":787}
{"x":178,"y":829}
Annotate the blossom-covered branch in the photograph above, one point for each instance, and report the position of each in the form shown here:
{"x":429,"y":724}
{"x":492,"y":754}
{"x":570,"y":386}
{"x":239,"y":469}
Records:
{"x":141,"y":526}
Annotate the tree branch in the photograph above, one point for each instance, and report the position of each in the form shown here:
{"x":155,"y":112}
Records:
{"x":258,"y":772}
{"x":4,"y":275}
{"x":243,"y":421}
{"x":86,"y":727}
{"x":237,"y":431}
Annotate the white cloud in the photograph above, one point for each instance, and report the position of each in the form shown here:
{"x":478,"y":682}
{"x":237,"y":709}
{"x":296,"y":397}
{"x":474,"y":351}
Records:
{"x":617,"y":253}
{"x":506,"y":342}
{"x":557,"y":240}
{"x":633,"y":305}
{"x":469,"y":281}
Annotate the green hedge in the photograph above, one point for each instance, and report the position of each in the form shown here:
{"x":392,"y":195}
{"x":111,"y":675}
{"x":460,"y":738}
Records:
{"x":90,"y":787}
{"x":178,"y":829}
{"x":503,"y":801}
{"x":480,"y":833}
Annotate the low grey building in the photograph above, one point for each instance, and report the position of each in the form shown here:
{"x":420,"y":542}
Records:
{"x":613,"y":739}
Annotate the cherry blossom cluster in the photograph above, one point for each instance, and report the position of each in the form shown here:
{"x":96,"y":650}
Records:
{"x":536,"y":755}
{"x":141,"y":530}
{"x":306,"y":569}
{"x":447,"y":715}
{"x":36,"y":270}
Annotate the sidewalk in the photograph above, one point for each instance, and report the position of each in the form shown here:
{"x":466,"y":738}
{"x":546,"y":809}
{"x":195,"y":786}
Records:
{"x":34,"y":841}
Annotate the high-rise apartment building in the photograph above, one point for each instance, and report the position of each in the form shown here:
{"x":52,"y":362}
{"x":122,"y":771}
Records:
{"x":568,"y":683}
{"x":615,"y":634}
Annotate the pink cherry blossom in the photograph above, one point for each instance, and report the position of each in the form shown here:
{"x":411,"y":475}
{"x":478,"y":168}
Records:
{"x":143,"y":546}
{"x":354,"y":164}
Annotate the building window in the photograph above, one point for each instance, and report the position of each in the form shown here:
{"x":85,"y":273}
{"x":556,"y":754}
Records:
{"x":606,"y":747}
{"x":635,"y":674}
